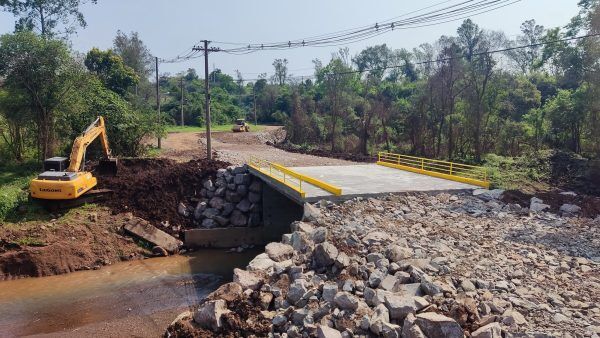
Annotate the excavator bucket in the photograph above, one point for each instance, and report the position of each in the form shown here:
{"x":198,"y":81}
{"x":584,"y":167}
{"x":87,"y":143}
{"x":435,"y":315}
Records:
{"x":107,"y":167}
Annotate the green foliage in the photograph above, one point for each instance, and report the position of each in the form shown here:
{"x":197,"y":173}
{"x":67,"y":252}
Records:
{"x":530,"y":170}
{"x":46,"y":15}
{"x":111,"y":70}
{"x":14,"y":180}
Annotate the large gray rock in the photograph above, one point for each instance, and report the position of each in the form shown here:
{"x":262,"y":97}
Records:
{"x":200,"y":207}
{"x":537,"y":205}
{"x":238,"y":219}
{"x":279,"y":252}
{"x":345,"y":301}
{"x":227,"y":209}
{"x":296,"y":291}
{"x":311,"y":213}
{"x":376,"y":237}
{"x":327,"y":332}
{"x":491,"y":330}
{"x":435,"y":325}
{"x":221,"y":220}
{"x":569,"y":209}
{"x":329,"y":291}
{"x":216,"y":202}
{"x":410,"y":329}
{"x":210,"y":213}
{"x":232,"y":196}
{"x":400,"y":306}
{"x":209,"y":223}
{"x":261,"y":262}
{"x":241,"y":179}
{"x":396,"y":253}
{"x":209,"y":315}
{"x":319,"y":235}
{"x":242,"y":190}
{"x":208,"y":185}
{"x":244,"y":205}
{"x":325,"y":254}
{"x":488,"y":195}
{"x":247,"y":279}
{"x":380,"y":317}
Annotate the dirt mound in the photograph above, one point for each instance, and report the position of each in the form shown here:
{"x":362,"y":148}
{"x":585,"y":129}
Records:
{"x":590,"y":205}
{"x":153,"y":188}
{"x":73,"y":242}
{"x":324,"y":153}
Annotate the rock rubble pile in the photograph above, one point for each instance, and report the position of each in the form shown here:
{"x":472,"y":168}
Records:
{"x":233,"y":198}
{"x":415,"y":266}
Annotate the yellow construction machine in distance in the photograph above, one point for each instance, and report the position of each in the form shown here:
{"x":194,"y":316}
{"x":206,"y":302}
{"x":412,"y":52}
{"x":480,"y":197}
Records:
{"x":66,"y":179}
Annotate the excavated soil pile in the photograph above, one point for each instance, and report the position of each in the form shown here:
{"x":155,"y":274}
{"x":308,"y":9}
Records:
{"x":590,"y":205}
{"x":153,"y":188}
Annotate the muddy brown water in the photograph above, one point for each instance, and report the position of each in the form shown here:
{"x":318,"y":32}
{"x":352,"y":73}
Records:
{"x":142,"y":289}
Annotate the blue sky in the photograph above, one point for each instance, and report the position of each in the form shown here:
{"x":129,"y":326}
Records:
{"x":169,"y":27}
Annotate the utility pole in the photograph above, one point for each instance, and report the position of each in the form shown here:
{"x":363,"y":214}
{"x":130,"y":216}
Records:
{"x":157,"y":99}
{"x":206,"y":50}
{"x":254,"y":95}
{"x":182,"y":101}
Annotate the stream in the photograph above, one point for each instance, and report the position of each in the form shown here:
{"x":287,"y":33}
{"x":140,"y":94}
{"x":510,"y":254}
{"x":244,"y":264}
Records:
{"x":135,"y":298}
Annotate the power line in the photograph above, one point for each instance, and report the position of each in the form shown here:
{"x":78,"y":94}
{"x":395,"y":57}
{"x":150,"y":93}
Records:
{"x":503,"y":50}
{"x":458,"y":11}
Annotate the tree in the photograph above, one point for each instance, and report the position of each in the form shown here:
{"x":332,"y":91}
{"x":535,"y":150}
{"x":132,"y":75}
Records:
{"x":526,"y":58}
{"x":45,"y":16}
{"x":281,"y":70}
{"x":44,"y":73}
{"x":134,"y":53}
{"x":109,"y":67}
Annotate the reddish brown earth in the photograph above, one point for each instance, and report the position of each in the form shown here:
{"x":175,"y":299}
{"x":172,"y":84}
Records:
{"x":153,"y":188}
{"x":80,"y":240}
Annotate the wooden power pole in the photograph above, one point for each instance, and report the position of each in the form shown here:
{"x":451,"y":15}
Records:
{"x":157,"y":99}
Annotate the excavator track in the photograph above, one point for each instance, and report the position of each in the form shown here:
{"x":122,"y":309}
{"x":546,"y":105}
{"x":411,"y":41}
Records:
{"x":92,"y":196}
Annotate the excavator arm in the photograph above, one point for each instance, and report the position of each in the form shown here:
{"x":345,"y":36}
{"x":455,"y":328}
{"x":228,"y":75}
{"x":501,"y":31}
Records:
{"x":96,"y":129}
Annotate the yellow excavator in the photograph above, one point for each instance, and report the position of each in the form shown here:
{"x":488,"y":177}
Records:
{"x":66,"y":179}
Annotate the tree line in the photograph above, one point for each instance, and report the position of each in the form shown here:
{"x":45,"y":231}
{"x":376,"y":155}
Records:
{"x":454,"y":98}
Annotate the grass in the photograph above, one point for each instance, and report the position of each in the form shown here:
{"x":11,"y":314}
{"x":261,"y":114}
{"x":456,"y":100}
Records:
{"x":196,"y":129}
{"x":14,"y":180}
{"x":29,"y":241}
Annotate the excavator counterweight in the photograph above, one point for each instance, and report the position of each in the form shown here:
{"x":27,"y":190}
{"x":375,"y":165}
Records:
{"x":66,"y":179}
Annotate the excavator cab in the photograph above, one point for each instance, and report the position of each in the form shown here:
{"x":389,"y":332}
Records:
{"x":66,"y":179}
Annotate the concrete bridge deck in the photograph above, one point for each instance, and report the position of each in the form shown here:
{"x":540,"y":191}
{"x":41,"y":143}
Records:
{"x":363,"y":180}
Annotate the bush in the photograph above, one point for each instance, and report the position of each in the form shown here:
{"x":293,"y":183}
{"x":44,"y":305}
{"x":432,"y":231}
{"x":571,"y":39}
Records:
{"x":12,"y":195}
{"x":532,"y":170}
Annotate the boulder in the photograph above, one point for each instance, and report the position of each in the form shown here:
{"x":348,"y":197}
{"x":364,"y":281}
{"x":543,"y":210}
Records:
{"x":216,"y":202}
{"x":379,"y":317}
{"x":296,"y":291}
{"x":261,"y":262}
{"x":537,"y":205}
{"x":488,"y":195}
{"x":376,"y":237}
{"x":209,"y":315}
{"x":209,"y":223}
{"x":279,"y":252}
{"x":327,"y":332}
{"x":345,"y":301}
{"x":254,"y":197}
{"x":247,"y":279}
{"x":400,"y":306}
{"x":210,"y":213}
{"x":232,"y":196}
{"x":435,"y":325}
{"x":223,"y":221}
{"x":396,"y":253}
{"x":200,"y":207}
{"x":491,"y":330}
{"x":242,"y":179}
{"x":208,"y":185}
{"x":228,"y":292}
{"x":311,"y":213}
{"x":569,"y":209}
{"x":319,"y":235}
{"x":325,"y":254}
{"x":242,"y":190}
{"x":410,"y":329}
{"x":244,"y":205}
{"x":329,"y":291}
{"x":238,"y":219}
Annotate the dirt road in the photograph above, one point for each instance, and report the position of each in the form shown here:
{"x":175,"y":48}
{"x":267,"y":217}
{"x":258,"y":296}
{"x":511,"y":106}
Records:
{"x":238,"y":148}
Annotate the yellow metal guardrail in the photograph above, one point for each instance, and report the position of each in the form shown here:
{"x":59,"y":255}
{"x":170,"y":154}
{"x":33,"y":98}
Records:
{"x":443,"y":169}
{"x":290,"y":178}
